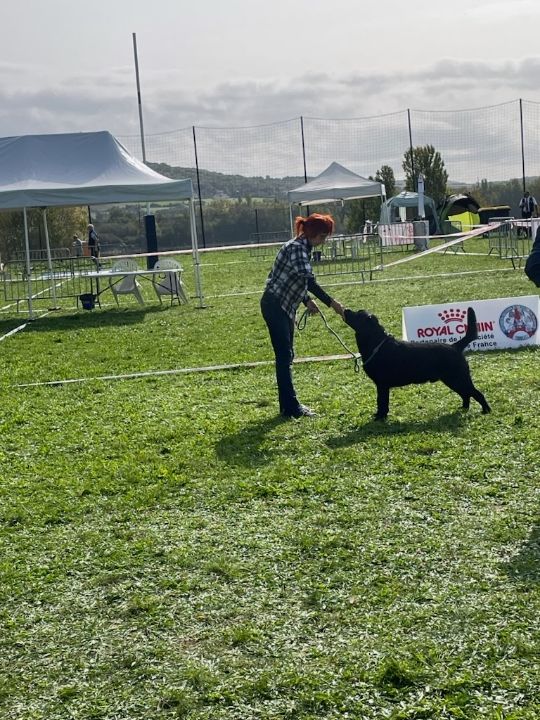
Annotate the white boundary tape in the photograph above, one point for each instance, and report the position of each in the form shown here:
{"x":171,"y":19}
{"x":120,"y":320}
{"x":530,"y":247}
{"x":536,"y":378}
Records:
{"x":180,"y":371}
{"x":399,"y":278}
{"x":462,"y":236}
{"x":12,"y":332}
{"x":279,"y":243}
{"x":20,"y":327}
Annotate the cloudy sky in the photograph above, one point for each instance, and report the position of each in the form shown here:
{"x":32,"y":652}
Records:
{"x":67,"y":65}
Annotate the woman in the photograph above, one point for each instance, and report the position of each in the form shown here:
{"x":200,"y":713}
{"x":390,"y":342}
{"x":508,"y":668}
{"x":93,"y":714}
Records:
{"x":286,"y":287}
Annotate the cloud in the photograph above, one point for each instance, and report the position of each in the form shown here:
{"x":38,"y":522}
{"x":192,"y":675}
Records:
{"x":520,"y":10}
{"x":253,"y":126}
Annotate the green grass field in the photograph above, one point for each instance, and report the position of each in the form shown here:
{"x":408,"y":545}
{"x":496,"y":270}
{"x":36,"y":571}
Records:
{"x":169,"y":548}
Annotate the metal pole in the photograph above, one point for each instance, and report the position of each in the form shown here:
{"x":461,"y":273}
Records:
{"x":141,"y":124}
{"x":411,"y":149}
{"x":304,"y":154}
{"x":421,"y":206}
{"x":139,"y":102}
{"x":291,"y":219}
{"x":257,"y":224}
{"x":303,"y":147}
{"x":49,"y":259}
{"x":28,"y":267}
{"x":195,"y":254}
{"x":199,"y":188}
{"x":522,"y":143}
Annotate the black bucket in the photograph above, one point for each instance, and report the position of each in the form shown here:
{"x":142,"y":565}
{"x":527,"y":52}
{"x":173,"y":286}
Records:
{"x":88,"y":301}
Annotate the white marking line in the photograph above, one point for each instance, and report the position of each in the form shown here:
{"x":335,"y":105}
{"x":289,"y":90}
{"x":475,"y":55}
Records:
{"x":12,"y":332}
{"x":21,"y":327}
{"x":180,"y":371}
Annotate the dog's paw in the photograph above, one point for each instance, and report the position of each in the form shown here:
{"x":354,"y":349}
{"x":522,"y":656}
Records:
{"x":379,"y":418}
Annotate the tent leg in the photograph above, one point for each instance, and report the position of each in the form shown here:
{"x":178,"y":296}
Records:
{"x":49,"y":260}
{"x":28,"y":267}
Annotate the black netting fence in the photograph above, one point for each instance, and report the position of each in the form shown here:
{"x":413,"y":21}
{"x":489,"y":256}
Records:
{"x":242,"y":175}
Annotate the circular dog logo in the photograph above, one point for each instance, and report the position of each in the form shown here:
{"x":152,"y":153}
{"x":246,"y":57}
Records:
{"x":518,"y":322}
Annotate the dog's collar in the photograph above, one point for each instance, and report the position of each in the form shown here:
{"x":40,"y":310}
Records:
{"x":365,"y":362}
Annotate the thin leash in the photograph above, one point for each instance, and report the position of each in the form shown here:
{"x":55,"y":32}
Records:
{"x":302,"y":322}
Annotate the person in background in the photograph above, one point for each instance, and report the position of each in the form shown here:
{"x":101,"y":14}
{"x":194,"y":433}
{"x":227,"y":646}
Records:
{"x":287,"y":285}
{"x":77,"y":246}
{"x":528,"y":207}
{"x":94,"y":246}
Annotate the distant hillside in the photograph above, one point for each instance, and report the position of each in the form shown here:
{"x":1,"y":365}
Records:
{"x":214,"y":184}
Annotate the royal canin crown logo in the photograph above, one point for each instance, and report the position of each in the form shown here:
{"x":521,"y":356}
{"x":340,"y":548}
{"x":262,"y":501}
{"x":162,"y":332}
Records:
{"x":451,"y":315}
{"x":452,"y":325}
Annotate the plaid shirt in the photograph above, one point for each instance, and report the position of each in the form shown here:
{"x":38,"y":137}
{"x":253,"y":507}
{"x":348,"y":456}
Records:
{"x":292,"y":276}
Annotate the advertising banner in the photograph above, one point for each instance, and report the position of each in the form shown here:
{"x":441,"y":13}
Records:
{"x":502,"y":322}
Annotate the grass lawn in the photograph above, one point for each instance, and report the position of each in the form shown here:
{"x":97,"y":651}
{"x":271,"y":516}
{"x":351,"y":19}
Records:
{"x":169,"y":548}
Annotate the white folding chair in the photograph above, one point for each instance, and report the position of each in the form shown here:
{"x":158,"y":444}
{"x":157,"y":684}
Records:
{"x":169,"y":283}
{"x":127,"y":285}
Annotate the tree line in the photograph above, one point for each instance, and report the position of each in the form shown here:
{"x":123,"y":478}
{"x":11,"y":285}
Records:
{"x":233,"y":208}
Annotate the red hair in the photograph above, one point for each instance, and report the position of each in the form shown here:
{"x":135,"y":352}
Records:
{"x":313,"y":225}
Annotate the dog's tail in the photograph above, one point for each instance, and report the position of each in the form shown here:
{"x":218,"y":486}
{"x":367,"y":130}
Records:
{"x":471,"y":334}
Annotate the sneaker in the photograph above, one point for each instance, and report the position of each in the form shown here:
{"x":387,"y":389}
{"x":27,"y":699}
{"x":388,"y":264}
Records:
{"x":300,"y":411}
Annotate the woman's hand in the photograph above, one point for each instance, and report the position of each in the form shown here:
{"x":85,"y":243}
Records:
{"x":312,"y":307}
{"x":337,"y":307}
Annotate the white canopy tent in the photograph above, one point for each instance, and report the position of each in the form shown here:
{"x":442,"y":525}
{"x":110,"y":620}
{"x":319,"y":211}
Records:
{"x":335,"y":184}
{"x":76,"y":169}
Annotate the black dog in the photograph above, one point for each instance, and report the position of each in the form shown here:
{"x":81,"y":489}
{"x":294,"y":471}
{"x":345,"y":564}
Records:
{"x":393,"y":363}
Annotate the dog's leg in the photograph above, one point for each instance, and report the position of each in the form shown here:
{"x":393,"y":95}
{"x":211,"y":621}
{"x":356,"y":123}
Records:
{"x":383,"y":402}
{"x":465,"y":389}
{"x":463,"y":386}
{"x":477,"y":395}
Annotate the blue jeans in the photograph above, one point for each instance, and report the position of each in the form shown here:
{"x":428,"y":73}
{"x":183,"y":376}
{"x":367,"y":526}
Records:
{"x":281,"y":329}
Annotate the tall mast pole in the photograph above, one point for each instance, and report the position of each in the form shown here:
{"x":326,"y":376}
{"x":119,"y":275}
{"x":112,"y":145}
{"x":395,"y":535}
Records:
{"x":141,"y":124}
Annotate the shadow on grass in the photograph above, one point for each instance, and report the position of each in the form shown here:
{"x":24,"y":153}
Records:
{"x":245,"y":447}
{"x":81,"y":319}
{"x":525,"y":566}
{"x":449,"y":423}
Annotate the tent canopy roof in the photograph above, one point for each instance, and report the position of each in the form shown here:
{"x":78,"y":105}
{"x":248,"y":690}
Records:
{"x":334,"y":184}
{"x":408,"y":199}
{"x":459,"y":203}
{"x":78,"y":169}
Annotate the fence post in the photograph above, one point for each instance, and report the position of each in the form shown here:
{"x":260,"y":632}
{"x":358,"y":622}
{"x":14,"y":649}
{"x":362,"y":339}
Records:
{"x":304,"y":157}
{"x":413,"y":171}
{"x":303,"y":147}
{"x":522,"y":143}
{"x":203,"y":236}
